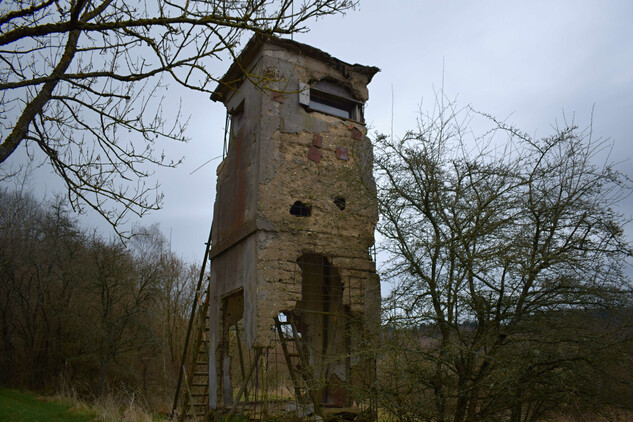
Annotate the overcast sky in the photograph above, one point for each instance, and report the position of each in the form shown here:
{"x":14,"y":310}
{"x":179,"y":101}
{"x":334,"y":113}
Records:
{"x":527,"y":62}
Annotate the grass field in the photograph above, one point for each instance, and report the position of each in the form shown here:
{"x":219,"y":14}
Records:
{"x":23,"y":407}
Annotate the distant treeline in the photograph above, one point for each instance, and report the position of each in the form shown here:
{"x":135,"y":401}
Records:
{"x":81,"y":311}
{"x":573,"y":364}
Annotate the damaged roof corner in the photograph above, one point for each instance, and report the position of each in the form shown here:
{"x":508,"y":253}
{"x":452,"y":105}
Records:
{"x":234,"y":76}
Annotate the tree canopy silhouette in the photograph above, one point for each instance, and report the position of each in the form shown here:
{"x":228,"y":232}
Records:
{"x":81,"y":81}
{"x":507,"y":254}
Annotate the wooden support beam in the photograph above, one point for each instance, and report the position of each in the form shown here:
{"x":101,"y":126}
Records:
{"x":258,"y":353}
{"x":239,"y":351}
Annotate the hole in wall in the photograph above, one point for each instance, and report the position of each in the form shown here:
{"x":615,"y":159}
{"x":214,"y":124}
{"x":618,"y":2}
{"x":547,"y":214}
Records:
{"x":322,"y":319}
{"x":299,"y":209}
{"x":287,"y":325}
{"x":339,"y":201}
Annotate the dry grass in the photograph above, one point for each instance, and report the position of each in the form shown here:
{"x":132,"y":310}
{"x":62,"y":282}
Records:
{"x":607,"y":415}
{"x":119,"y":406}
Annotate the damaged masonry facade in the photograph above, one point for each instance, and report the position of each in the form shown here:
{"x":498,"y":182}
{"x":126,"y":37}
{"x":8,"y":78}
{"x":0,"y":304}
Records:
{"x":294,"y":296}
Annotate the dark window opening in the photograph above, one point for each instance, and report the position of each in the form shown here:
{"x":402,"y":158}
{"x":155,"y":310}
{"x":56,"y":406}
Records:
{"x":331,"y":98}
{"x":237,"y":117}
{"x":326,"y":103}
{"x":339,"y":201}
{"x":234,"y":120}
{"x":299,"y":209}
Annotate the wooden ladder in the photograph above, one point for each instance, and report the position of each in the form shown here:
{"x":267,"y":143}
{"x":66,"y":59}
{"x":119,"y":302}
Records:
{"x":191,"y":400}
{"x":195,"y":397}
{"x":296,"y":356}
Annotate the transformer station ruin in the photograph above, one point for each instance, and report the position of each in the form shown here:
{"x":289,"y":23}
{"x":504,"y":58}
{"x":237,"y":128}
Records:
{"x":293,"y":301}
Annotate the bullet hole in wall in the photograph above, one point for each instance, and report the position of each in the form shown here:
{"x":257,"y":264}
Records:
{"x":299,"y":209}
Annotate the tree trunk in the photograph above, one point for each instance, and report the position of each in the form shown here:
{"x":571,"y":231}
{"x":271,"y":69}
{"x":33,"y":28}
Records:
{"x":103,"y":374}
{"x":35,"y":106}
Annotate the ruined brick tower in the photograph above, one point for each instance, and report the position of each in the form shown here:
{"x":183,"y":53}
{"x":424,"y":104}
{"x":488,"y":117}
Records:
{"x":294,"y":297}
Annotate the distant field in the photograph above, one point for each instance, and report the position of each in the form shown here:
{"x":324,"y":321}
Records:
{"x":23,"y":407}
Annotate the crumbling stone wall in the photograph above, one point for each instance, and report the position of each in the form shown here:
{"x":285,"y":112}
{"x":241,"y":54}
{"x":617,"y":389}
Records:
{"x":344,"y":236}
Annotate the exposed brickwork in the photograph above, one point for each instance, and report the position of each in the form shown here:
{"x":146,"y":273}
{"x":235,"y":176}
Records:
{"x":277,"y":96}
{"x":356,"y":134}
{"x":314,"y":154}
{"x":317,"y":140}
{"x":342,"y":153}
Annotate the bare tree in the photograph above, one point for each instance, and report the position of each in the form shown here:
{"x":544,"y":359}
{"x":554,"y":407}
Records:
{"x":507,"y":258}
{"x":172,"y":300}
{"x":40,"y":277}
{"x":93,"y":313}
{"x":82,"y":80}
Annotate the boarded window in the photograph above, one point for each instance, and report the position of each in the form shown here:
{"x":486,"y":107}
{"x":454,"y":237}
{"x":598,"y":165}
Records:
{"x":331,"y":98}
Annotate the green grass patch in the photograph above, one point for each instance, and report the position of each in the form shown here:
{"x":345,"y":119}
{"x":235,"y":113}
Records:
{"x":16,"y":406}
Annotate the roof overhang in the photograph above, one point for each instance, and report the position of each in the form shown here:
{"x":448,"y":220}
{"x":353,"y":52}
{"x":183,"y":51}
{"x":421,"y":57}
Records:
{"x":234,"y":76}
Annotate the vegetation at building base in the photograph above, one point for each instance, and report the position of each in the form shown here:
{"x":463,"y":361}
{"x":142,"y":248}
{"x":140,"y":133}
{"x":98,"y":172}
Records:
{"x":16,"y":406}
{"x":88,"y":315}
{"x":507,"y":255}
{"x":23,"y":407}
